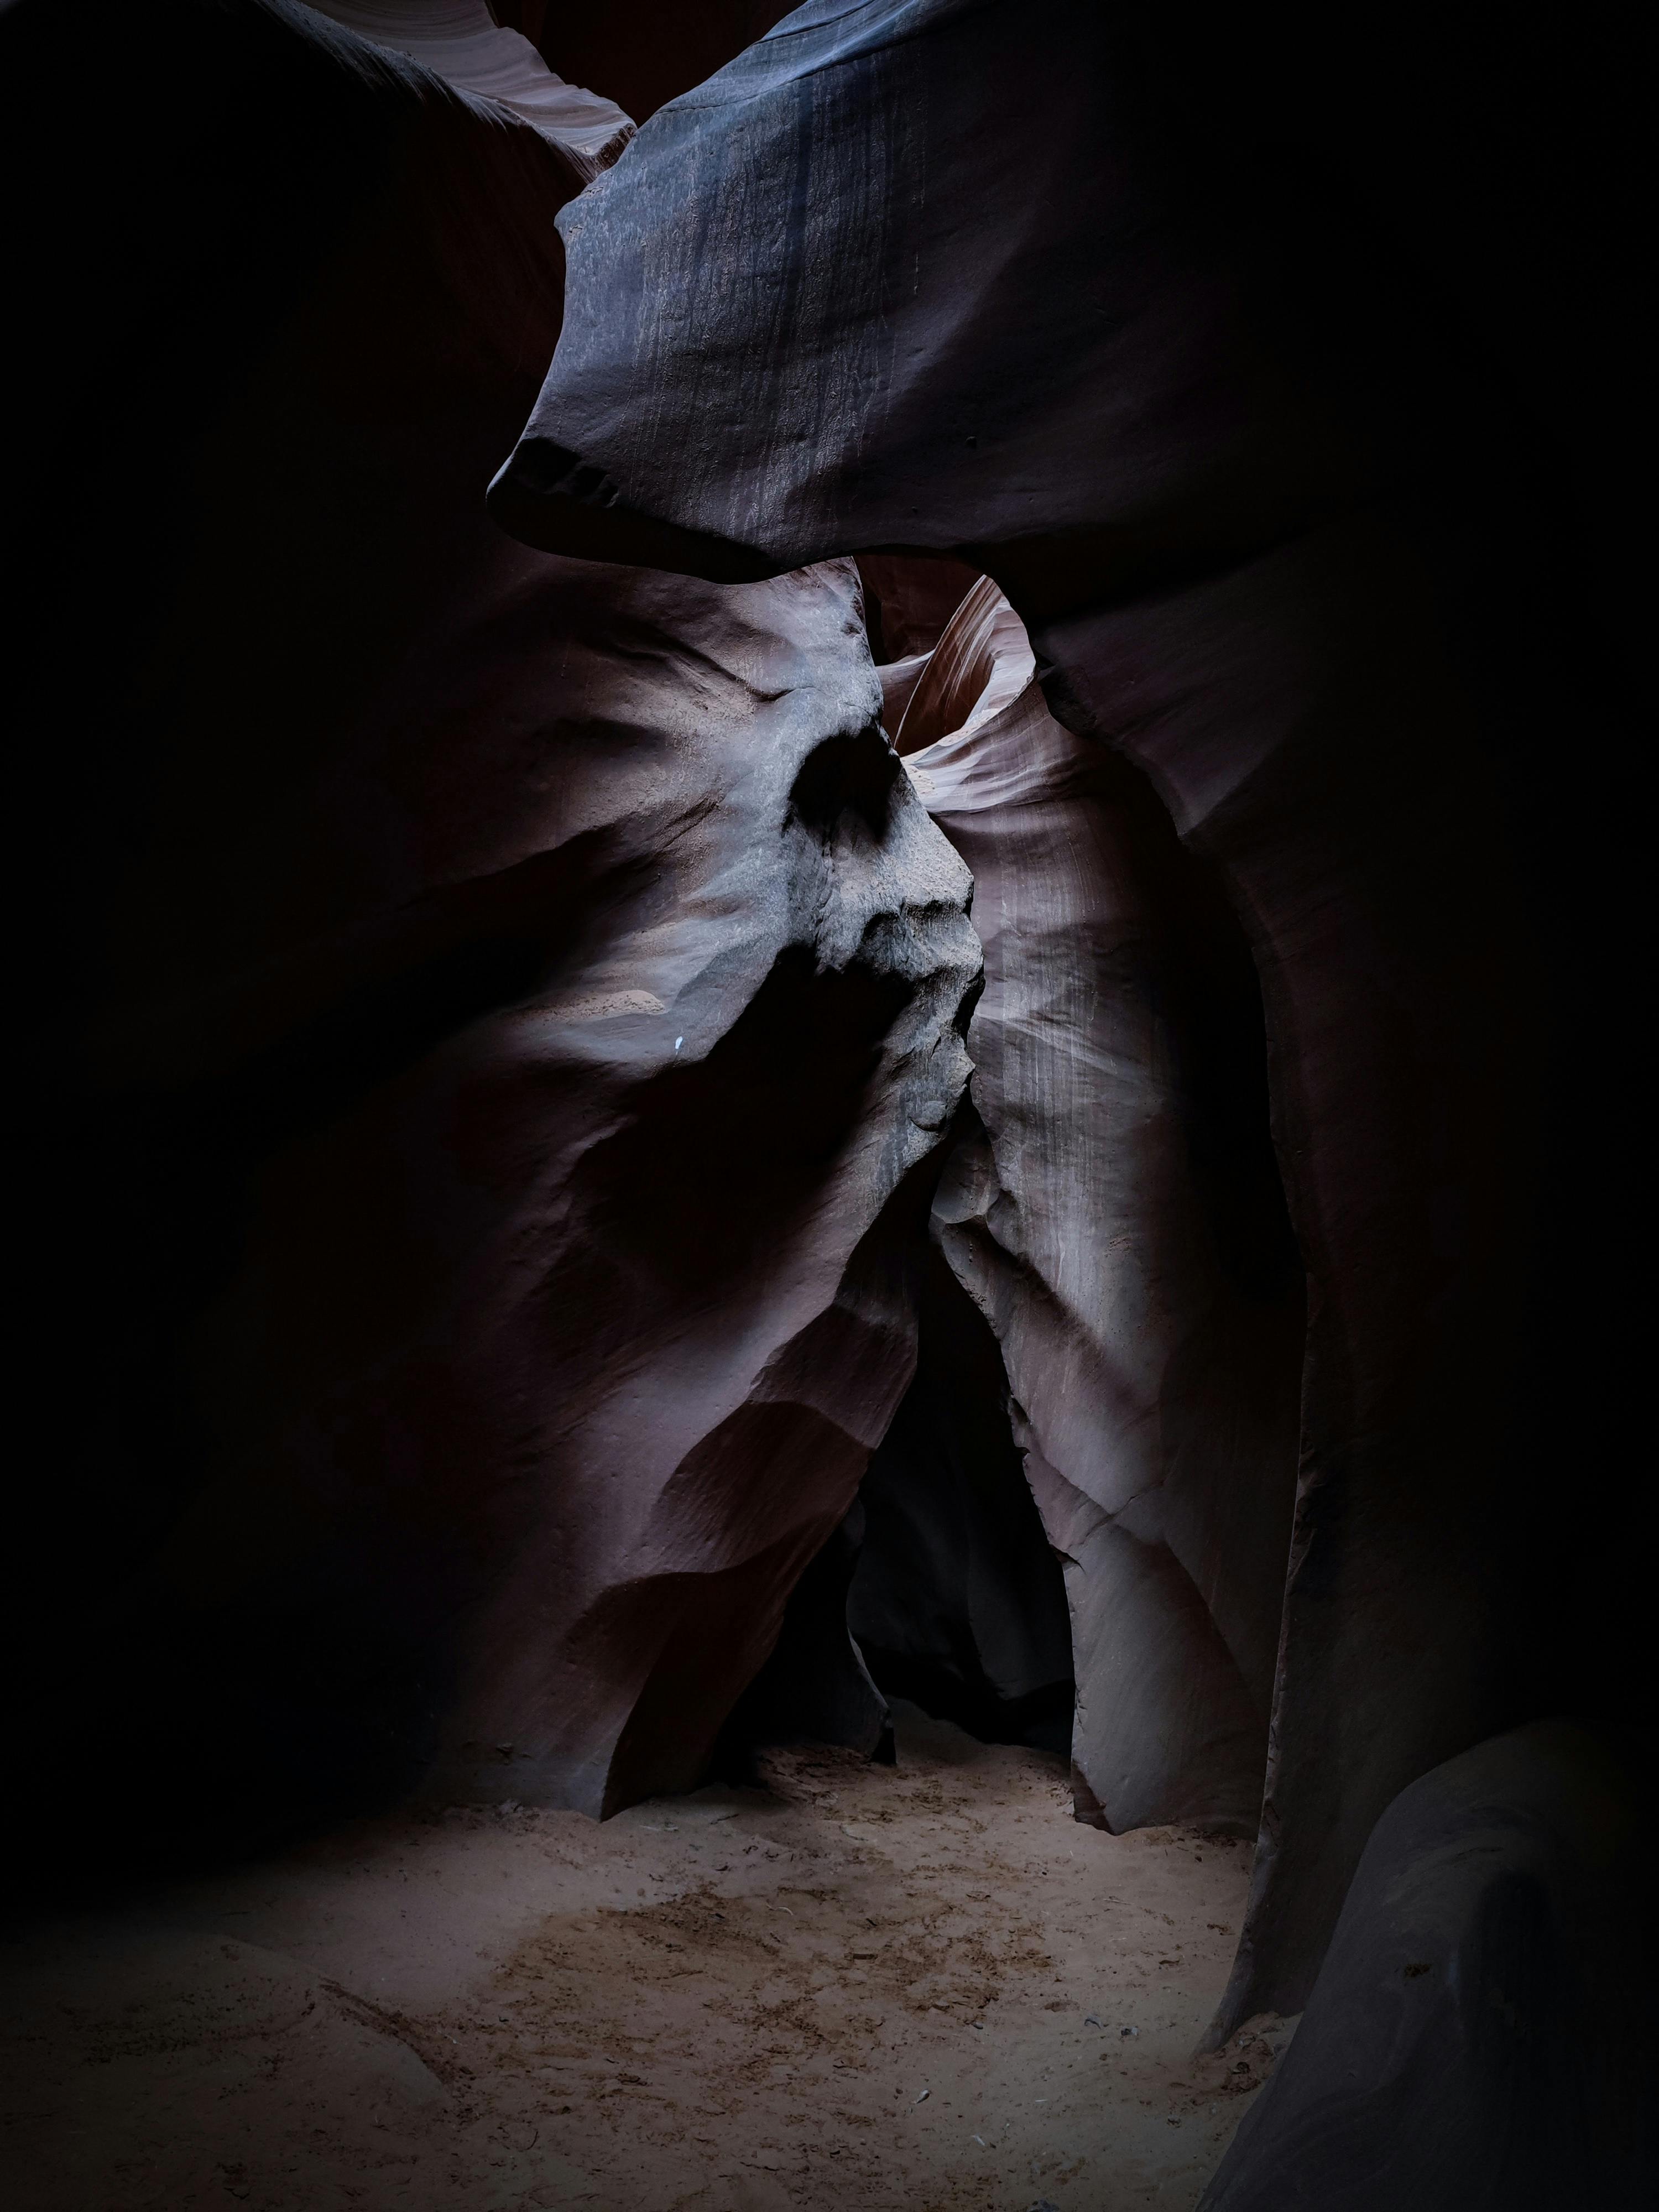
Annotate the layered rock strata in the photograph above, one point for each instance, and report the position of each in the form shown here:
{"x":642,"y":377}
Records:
{"x":460,"y":41}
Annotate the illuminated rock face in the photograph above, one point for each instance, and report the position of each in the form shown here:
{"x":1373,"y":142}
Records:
{"x":1113,"y":1213}
{"x":595,"y":1296}
{"x":842,"y":330}
{"x":717,"y":1327}
{"x":1240,"y":470}
{"x":510,"y":1005}
{"x":461,"y":42}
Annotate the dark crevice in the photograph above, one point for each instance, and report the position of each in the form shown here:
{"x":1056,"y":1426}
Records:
{"x":958,"y":1601}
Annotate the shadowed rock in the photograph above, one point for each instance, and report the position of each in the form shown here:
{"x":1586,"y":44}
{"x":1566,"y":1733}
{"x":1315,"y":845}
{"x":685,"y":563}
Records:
{"x":1137,"y":312}
{"x":815,"y":1686}
{"x":956,"y":1599}
{"x":1291,"y":716}
{"x":497,"y":1006}
{"x":1482,"y":2035}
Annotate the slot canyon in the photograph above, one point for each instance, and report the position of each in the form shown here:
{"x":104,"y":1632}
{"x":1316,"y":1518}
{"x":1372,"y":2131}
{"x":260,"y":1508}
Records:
{"x":830,"y":988}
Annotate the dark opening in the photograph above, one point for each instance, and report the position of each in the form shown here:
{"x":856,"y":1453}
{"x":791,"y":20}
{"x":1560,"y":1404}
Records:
{"x":958,"y":1601}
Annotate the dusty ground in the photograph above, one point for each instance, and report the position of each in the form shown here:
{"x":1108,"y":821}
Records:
{"x":865,"y":1986}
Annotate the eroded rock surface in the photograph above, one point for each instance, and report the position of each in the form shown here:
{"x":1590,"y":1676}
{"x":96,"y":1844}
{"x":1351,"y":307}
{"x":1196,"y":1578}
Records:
{"x":500,"y":1008}
{"x":1291,"y":715}
{"x":1055,"y":343}
{"x":1483,"y":2031}
{"x":1115,"y":1213}
{"x":697,"y":1283}
{"x":1053,"y":289}
{"x":460,"y":41}
{"x":585,"y":1318}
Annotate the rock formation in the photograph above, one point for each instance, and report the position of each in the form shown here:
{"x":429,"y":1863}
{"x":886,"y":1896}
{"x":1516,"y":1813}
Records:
{"x":712,"y":1307}
{"x":493,"y":1012}
{"x":504,"y":1011}
{"x":643,"y":52}
{"x":1060,"y":355}
{"x":1114,"y":1212}
{"x":1479,"y":2033}
{"x":461,"y":42}
{"x":1265,"y":503}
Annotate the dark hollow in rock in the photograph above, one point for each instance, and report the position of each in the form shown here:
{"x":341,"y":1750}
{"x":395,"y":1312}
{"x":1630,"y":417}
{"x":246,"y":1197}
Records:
{"x":957,"y":1599}
{"x":843,"y":777}
{"x":816,"y":1687}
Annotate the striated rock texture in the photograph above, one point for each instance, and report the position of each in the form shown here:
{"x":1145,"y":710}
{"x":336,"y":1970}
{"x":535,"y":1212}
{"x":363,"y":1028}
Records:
{"x":552,"y":1361}
{"x":1116,"y":1216}
{"x":1291,"y":714}
{"x":643,"y":52}
{"x":1135,"y":312}
{"x":1056,"y":347}
{"x":461,"y":41}
{"x":497,"y":1009}
{"x":1483,"y":2031}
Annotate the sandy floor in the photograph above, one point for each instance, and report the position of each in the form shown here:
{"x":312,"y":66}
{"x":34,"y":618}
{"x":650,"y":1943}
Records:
{"x":919,"y":1987}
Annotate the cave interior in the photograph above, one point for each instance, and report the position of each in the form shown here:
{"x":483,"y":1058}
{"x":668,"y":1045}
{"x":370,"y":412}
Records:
{"x":830,"y":982}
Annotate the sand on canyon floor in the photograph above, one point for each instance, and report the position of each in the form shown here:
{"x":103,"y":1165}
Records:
{"x":919,"y":1986}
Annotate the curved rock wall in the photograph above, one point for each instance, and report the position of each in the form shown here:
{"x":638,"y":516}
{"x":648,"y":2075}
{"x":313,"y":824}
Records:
{"x":500,"y":1014}
{"x":1115,"y":1215}
{"x":1484,"y":2028}
{"x":490,"y":1021}
{"x":461,"y":41}
{"x":1282,"y":503}
{"x":1385,"y":932}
